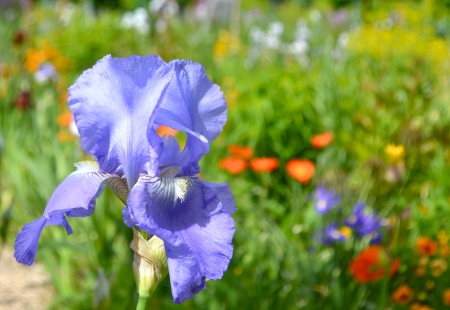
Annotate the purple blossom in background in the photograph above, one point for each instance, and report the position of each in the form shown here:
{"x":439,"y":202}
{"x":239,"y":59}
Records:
{"x":45,"y":73}
{"x":365,"y":223}
{"x":339,"y":17}
{"x":117,"y":106}
{"x":325,"y":199}
{"x":332,"y":234}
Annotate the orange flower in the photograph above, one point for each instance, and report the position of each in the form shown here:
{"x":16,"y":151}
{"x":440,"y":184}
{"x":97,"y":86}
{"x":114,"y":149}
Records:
{"x":233,"y":165}
{"x":164,"y":130}
{"x":301,"y":169}
{"x":322,"y":140}
{"x":426,"y":246}
{"x":368,"y":266}
{"x":402,"y":295}
{"x":420,"y":271}
{"x":36,"y":57}
{"x":65,"y":119}
{"x":417,"y":306}
{"x":264,"y":164}
{"x":244,"y":152}
{"x":446,"y":297}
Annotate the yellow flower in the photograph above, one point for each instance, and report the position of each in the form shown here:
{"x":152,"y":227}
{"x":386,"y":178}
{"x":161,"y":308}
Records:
{"x":438,"y":266}
{"x":226,"y":45}
{"x":394,"y":152}
{"x":346,"y":231}
{"x":442,"y":237}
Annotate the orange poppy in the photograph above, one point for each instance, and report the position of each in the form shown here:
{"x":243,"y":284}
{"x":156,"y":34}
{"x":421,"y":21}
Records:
{"x":164,"y":130}
{"x":368,"y":265}
{"x":446,"y":297}
{"x":36,"y":57}
{"x":264,"y":164}
{"x":233,"y":165}
{"x":426,"y":246}
{"x":65,"y":119}
{"x":244,"y":152}
{"x":402,"y":295}
{"x":322,"y":140}
{"x":417,"y":306}
{"x":301,"y":169}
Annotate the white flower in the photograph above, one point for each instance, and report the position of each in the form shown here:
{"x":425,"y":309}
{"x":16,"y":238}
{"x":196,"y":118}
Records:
{"x":138,"y":20}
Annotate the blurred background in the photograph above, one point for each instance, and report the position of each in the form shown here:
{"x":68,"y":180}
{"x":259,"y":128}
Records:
{"x":336,"y":149}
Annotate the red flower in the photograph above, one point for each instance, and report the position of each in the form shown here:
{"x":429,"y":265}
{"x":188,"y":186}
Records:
{"x":322,"y":140}
{"x":369,"y":265}
{"x":19,"y":37}
{"x":233,"y":165}
{"x":402,"y":295}
{"x":244,"y":152}
{"x":426,"y":246}
{"x":301,"y":169}
{"x":264,"y":164}
{"x":23,"y":101}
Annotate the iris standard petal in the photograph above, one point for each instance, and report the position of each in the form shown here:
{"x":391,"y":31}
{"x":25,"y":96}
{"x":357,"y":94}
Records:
{"x":75,"y":196}
{"x":191,"y":220}
{"x":195,"y":105}
{"x":172,"y":156}
{"x":114,"y":103}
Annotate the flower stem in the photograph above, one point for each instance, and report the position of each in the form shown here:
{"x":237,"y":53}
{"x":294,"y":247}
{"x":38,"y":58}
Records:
{"x":142,"y":303}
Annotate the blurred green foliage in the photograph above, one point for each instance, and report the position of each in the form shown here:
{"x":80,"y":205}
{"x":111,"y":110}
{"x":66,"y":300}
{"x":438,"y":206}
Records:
{"x":375,"y":75}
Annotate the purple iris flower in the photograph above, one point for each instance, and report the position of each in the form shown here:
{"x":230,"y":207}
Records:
{"x":364,"y":223}
{"x":117,"y":106}
{"x":332,"y":234}
{"x":325,"y":199}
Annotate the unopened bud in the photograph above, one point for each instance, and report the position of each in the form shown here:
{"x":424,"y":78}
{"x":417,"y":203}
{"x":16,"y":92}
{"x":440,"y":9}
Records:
{"x":150,"y":263}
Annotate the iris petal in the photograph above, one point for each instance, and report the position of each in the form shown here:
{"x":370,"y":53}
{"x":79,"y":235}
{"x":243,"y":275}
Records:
{"x":195,"y":105}
{"x":191,"y":220}
{"x":114,"y":103}
{"x":75,"y":196}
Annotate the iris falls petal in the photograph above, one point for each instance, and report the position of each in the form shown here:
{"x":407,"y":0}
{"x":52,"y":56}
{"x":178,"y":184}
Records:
{"x":114,"y":103}
{"x":75,"y":196}
{"x":194,"y":223}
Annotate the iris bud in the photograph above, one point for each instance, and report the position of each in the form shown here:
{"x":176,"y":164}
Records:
{"x":150,"y":263}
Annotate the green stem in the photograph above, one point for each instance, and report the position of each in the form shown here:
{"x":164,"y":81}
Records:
{"x":142,"y":303}
{"x":384,"y":289}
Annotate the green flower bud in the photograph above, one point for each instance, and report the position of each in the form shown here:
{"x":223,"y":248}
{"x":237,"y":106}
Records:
{"x":150,"y":263}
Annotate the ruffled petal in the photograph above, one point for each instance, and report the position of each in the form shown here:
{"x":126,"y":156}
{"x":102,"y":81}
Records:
{"x":224,"y":195}
{"x":194,"y":105}
{"x":197,"y":232}
{"x":75,"y":196}
{"x":114,"y":104}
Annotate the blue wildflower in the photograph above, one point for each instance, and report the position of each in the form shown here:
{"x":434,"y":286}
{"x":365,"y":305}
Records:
{"x":45,"y":73}
{"x":332,"y":234}
{"x":325,"y":199}
{"x":117,"y":106}
{"x":364,"y":223}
